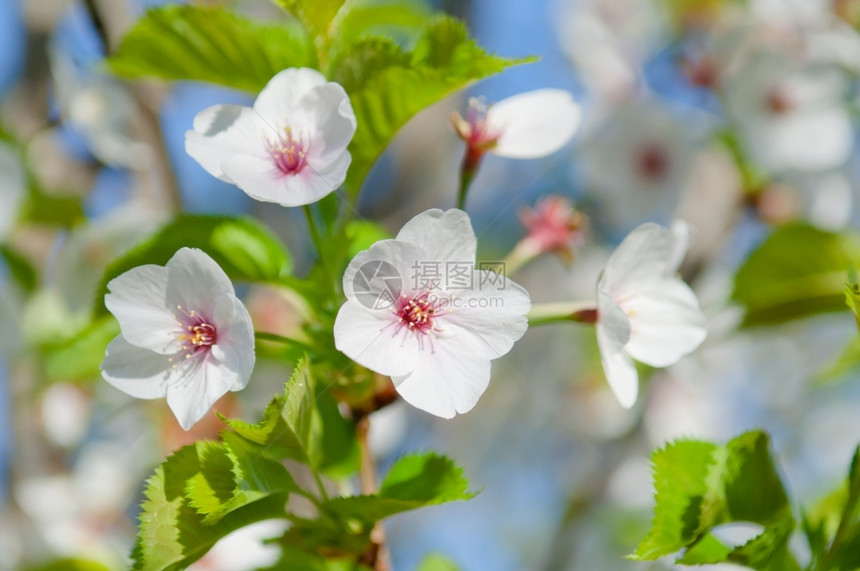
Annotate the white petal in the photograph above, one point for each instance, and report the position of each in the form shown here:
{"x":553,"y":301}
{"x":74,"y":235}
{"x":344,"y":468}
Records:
{"x":444,"y":236}
{"x":223,"y":131}
{"x":195,"y":282}
{"x":445,"y":383}
{"x":330,"y":122}
{"x":811,"y":140}
{"x":138,"y":300}
{"x":331,"y":173}
{"x":534,"y":124}
{"x":680,"y":232}
{"x":234,"y":348}
{"x":280,"y":98}
{"x":261,"y":180}
{"x":370,"y":338}
{"x":641,"y":257}
{"x":194,"y":388}
{"x":378,"y":276}
{"x":613,"y":331}
{"x":138,"y":372}
{"x":665,"y":323}
{"x":494,"y":316}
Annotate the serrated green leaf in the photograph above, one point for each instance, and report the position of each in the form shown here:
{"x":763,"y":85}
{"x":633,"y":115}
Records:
{"x":680,"y":472}
{"x":234,"y":475}
{"x":709,"y":550}
{"x":294,"y":558}
{"x":700,"y":485}
{"x":797,"y":272}
{"x":172,"y":534}
{"x":284,"y":430}
{"x":753,"y":488}
{"x":415,"y":481}
{"x":316,"y":15}
{"x":303,"y":424}
{"x":207,"y":43}
{"x":387,"y":86}
{"x":245,"y":250}
{"x":212,"y":486}
{"x":768,"y":551}
{"x":398,"y":19}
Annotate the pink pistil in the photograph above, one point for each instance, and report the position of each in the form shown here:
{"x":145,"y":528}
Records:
{"x":287,"y":152}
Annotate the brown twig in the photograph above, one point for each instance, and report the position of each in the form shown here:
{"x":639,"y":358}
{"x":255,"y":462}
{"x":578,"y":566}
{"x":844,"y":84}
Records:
{"x":376,"y":555}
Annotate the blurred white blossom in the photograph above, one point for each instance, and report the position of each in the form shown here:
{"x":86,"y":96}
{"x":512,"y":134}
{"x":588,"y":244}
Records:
{"x":644,"y":312}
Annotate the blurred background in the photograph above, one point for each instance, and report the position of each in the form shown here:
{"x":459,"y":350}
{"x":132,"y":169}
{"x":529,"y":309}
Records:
{"x":738,"y":116}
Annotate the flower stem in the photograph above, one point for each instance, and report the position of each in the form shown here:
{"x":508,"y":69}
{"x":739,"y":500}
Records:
{"x":377,"y":555}
{"x":468,"y":169}
{"x":524,"y":252}
{"x":316,"y":238}
{"x":578,"y":311}
{"x":274,"y":337}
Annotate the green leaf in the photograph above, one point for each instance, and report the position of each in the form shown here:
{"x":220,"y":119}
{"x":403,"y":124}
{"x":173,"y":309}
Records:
{"x":245,"y":249}
{"x":414,"y":481}
{"x":70,"y":564}
{"x":235,"y":475}
{"x":847,"y":363}
{"x":387,"y":86}
{"x":79,"y":357}
{"x":436,"y":562}
{"x":172,"y":533}
{"x":302,"y":425}
{"x":399,"y":19}
{"x":798,"y":271}
{"x":708,"y":551}
{"x":21,"y":270}
{"x":700,"y":485}
{"x":52,"y":209}
{"x":363,"y":234}
{"x":316,"y":15}
{"x":680,"y":472}
{"x":852,"y":296}
{"x":207,"y":43}
{"x":753,"y":489}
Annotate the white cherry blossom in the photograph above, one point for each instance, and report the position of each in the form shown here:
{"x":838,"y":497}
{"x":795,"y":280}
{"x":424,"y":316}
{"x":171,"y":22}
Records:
{"x":644,"y":311}
{"x":289,"y":148}
{"x":433,"y":331}
{"x":184,"y":335}
{"x":793,"y":118}
{"x":525,"y":126}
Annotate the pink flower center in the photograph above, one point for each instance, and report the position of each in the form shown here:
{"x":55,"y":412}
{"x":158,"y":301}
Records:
{"x":475,"y":129}
{"x":418,"y":314}
{"x":195,"y":333}
{"x":288,"y":152}
{"x":652,"y":162}
{"x":554,"y":224}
